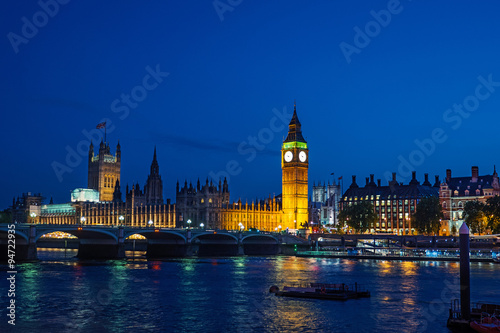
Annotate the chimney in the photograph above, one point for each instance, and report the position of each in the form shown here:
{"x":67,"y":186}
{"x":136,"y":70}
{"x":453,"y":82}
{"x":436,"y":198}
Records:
{"x":394,"y":176}
{"x":426,"y":181}
{"x":448,"y":175}
{"x":475,"y":174}
{"x":371,"y":178}
{"x":413,"y":175}
{"x":378,"y":182}
{"x":354,"y":181}
{"x":437,"y":182}
{"x":367,"y":180}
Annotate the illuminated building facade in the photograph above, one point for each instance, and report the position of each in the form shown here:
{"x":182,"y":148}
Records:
{"x":209,"y":204}
{"x":205,"y":206}
{"x":104,"y":170}
{"x":394,"y":204}
{"x":201,"y":204}
{"x":140,"y":208}
{"x":27,"y":208}
{"x":294,"y":166}
{"x":325,"y":204}
{"x":456,"y":191}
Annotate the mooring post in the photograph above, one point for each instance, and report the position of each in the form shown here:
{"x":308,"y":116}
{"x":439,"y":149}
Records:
{"x":464,"y":272}
{"x":121,"y":243}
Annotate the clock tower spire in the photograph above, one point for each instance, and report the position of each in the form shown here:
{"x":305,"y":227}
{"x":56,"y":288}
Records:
{"x":294,"y":166}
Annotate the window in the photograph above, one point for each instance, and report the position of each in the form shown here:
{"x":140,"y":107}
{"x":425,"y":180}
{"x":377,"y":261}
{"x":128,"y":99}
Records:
{"x":444,"y":204}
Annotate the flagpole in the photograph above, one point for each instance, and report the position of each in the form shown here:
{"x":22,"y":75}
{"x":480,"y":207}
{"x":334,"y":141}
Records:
{"x":105,"y":127}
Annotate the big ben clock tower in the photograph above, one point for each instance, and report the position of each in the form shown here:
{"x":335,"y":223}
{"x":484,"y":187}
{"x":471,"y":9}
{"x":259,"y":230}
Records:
{"x":294,"y":166}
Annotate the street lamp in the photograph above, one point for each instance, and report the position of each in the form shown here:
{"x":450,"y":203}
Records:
{"x":150,"y":223}
{"x":201,"y":225}
{"x":82,"y":219}
{"x":33,"y":216}
{"x":121,"y":218}
{"x":189,"y":223}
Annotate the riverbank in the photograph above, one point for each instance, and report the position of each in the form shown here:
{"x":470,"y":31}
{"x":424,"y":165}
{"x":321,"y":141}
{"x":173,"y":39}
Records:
{"x":335,"y":255}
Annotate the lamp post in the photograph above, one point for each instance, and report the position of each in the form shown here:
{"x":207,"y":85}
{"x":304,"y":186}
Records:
{"x":189,"y":223}
{"x":150,"y":223}
{"x":202,"y":225}
{"x":33,"y":216}
{"x":82,"y":220}
{"x":121,"y":218}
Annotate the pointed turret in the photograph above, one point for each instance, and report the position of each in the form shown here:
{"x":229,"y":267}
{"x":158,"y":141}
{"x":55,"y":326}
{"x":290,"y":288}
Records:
{"x":117,"y":194}
{"x":295,"y":128}
{"x":154,"y":169}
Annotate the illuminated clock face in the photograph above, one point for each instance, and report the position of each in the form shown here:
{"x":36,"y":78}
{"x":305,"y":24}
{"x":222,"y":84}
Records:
{"x":288,"y":156}
{"x":302,"y":156}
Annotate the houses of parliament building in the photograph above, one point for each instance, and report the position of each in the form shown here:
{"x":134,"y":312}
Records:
{"x":207,"y":205}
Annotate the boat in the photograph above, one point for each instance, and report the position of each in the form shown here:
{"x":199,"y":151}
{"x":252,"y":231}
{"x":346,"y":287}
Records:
{"x":340,"y":291}
{"x":497,"y":260}
{"x":487,"y":324}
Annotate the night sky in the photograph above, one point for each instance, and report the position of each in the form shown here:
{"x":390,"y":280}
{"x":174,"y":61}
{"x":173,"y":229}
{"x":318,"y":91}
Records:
{"x":365,"y":91}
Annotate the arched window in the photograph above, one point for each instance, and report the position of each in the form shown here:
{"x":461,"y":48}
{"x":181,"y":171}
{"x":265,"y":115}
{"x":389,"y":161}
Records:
{"x":444,"y":204}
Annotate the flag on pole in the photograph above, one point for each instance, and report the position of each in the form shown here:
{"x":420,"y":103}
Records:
{"x":101,"y":125}
{"x":340,"y":177}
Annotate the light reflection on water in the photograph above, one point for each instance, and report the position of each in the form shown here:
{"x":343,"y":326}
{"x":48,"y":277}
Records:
{"x":63,"y":294}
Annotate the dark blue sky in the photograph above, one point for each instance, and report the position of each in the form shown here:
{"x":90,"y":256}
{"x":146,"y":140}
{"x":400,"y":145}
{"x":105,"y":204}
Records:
{"x":227,"y":76}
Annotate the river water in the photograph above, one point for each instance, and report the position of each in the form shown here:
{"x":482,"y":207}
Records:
{"x":64,"y":294}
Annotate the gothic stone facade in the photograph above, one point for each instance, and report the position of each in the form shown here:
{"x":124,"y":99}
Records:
{"x":456,"y":191}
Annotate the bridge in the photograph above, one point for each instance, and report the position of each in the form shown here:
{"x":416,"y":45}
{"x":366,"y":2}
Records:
{"x":108,"y":242}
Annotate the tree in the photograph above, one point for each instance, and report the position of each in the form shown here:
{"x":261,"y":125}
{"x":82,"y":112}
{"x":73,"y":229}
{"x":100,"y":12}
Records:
{"x":358,"y":216}
{"x":428,"y":215}
{"x":492,"y":212}
{"x":5,"y":216}
{"x":474,"y":216}
{"x":453,"y":230}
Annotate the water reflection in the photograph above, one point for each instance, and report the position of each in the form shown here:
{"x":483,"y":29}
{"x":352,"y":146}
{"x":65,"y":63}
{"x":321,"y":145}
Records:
{"x":231,"y":294}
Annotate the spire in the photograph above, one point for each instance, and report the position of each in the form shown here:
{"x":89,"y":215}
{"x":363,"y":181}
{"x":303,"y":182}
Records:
{"x":155,"y":169}
{"x":294,"y":128}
